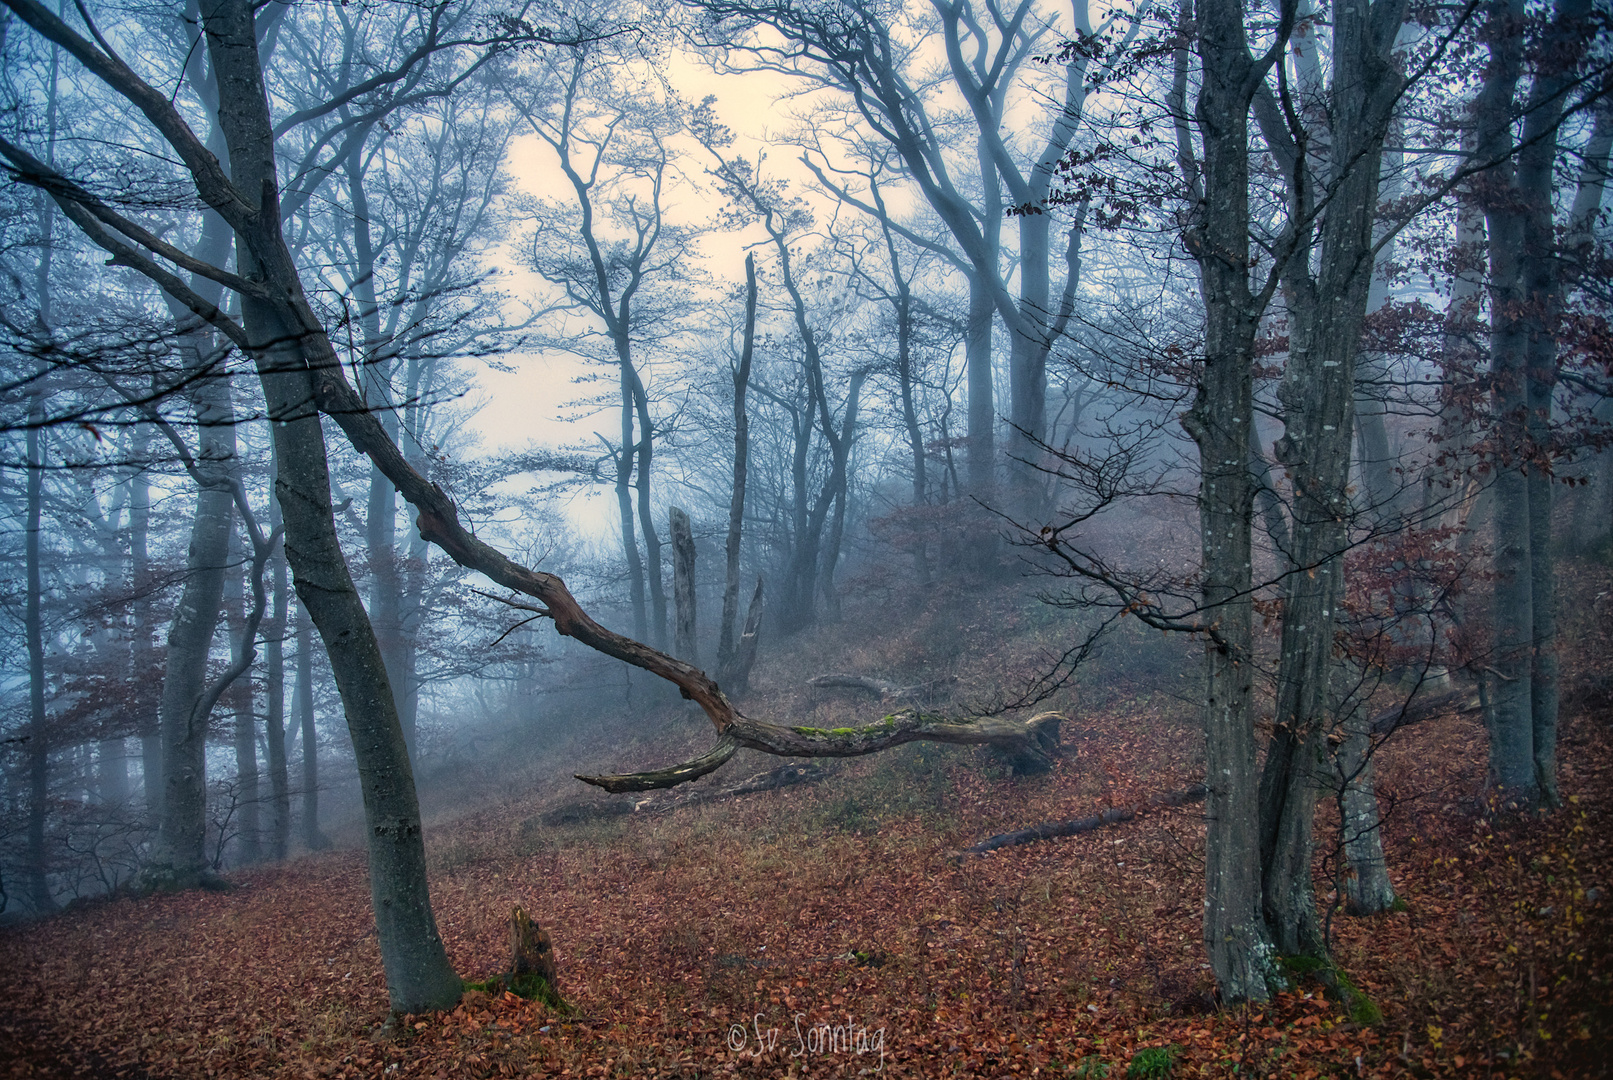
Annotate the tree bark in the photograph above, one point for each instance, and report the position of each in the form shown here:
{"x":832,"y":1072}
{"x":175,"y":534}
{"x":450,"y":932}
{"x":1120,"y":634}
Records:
{"x":1217,"y":235}
{"x":1327,"y":309}
{"x":179,"y":860}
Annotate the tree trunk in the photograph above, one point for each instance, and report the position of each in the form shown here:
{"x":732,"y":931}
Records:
{"x":646,"y":512}
{"x":982,"y":463}
{"x":303,"y":703}
{"x":1327,"y":310}
{"x":141,"y":653}
{"x":288,"y":343}
{"x":1525,"y":298}
{"x":1366,"y":886}
{"x":241,"y":704}
{"x":684,"y":643}
{"x":179,"y":860}
{"x":274,"y":684}
{"x":38,"y":739}
{"x":1240,"y":952}
{"x":745,"y":648}
{"x":736,"y":500}
{"x":624,"y":510}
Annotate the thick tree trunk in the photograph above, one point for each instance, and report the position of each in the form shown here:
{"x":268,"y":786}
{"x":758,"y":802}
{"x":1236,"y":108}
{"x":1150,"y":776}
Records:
{"x":1235,"y":937}
{"x":1525,"y":299}
{"x":287,"y":343}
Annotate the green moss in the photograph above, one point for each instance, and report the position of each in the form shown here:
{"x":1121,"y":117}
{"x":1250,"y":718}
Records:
{"x":531,"y":986}
{"x":1091,"y":1067}
{"x":1360,"y":1008}
{"x":846,"y":732}
{"x":1400,"y":904}
{"x":1303,"y":965}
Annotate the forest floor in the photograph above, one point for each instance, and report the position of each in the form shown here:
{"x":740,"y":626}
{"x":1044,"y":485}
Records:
{"x":831,"y":929}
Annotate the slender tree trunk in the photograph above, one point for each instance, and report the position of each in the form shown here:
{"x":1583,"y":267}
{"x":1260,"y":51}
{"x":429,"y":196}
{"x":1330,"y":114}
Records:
{"x":839,"y":477}
{"x":274,"y":683}
{"x":685,"y":645}
{"x":140,"y":580}
{"x":982,"y":464}
{"x":726,"y":670}
{"x":624,"y":509}
{"x":303,"y":704}
{"x":179,"y":860}
{"x":646,"y":512}
{"x":39,"y":896}
{"x":240,"y":699}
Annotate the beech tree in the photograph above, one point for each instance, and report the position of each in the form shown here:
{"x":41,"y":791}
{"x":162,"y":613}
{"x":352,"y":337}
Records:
{"x":299,"y":372}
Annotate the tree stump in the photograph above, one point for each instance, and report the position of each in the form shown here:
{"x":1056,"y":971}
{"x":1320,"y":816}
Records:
{"x":532,"y":967}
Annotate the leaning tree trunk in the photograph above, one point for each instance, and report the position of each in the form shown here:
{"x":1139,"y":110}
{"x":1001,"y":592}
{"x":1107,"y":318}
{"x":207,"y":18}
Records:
{"x":279,"y":323}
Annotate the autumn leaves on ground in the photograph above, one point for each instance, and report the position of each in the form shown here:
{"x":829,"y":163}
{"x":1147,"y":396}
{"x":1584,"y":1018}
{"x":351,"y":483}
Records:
{"x":831,"y":929}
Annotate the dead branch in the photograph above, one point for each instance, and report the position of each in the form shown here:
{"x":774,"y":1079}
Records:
{"x":1415,"y":711}
{"x":771,"y":780}
{"x":1076,"y":826}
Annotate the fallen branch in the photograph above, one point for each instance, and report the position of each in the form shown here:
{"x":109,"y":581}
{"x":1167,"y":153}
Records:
{"x":771,"y":780}
{"x":1415,"y":711}
{"x":1076,"y":826}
